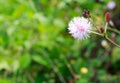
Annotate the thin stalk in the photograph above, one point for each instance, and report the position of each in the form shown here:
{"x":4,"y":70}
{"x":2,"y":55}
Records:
{"x":111,"y":41}
{"x":32,"y":5}
{"x":96,"y":33}
{"x":69,"y":66}
{"x":106,"y":27}
{"x":70,"y":69}
{"x":114,"y":30}
{"x":30,"y":77}
{"x":55,"y":69}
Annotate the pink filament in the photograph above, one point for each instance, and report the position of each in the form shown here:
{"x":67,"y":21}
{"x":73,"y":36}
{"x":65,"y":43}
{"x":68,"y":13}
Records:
{"x":80,"y":28}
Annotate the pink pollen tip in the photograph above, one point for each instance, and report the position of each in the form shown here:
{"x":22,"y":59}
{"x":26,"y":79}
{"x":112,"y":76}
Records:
{"x":80,"y":28}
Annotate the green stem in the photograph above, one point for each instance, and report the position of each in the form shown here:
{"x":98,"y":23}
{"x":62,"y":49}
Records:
{"x":104,"y":35}
{"x":30,"y":77}
{"x":106,"y":27}
{"x":55,"y":68}
{"x":96,"y":33}
{"x":32,"y":5}
{"x":114,"y":30}
{"x":69,"y":66}
{"x":111,"y":41}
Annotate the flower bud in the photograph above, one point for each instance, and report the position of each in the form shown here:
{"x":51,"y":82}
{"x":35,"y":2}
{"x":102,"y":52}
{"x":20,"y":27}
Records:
{"x":105,"y":44}
{"x":101,"y":29}
{"x":86,"y":13}
{"x":107,"y":16}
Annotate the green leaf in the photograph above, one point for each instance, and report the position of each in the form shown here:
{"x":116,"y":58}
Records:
{"x":4,"y":65}
{"x":15,"y":65}
{"x":5,"y":80}
{"x":40,"y":59}
{"x":115,"y":54}
{"x":25,"y":61}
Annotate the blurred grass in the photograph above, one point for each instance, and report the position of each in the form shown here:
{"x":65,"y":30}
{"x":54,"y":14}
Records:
{"x":35,"y":46}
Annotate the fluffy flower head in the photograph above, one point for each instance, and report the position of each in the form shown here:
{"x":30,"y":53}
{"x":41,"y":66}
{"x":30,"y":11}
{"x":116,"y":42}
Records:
{"x":79,"y":27}
{"x":111,"y":5}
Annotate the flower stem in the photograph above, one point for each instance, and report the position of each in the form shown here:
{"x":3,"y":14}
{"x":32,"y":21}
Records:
{"x":106,"y":27}
{"x":114,"y":30}
{"x":111,"y":41}
{"x":96,"y":33}
{"x":104,"y":35}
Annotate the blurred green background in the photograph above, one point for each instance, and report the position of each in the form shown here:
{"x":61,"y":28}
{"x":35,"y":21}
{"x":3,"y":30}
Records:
{"x":35,"y":46}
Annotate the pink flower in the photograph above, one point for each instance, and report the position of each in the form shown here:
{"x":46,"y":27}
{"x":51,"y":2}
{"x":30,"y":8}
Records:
{"x":111,"y":5}
{"x":79,"y":27}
